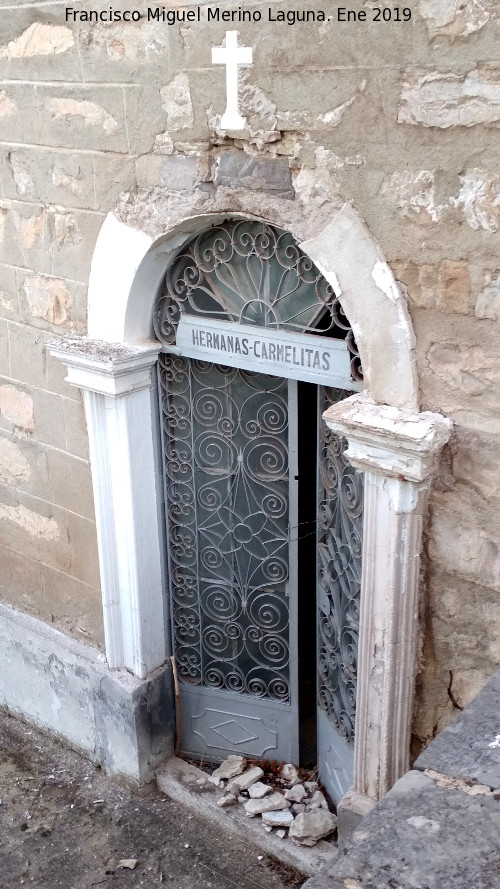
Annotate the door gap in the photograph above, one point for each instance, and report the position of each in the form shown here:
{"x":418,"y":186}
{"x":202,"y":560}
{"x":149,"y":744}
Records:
{"x":307,"y":410}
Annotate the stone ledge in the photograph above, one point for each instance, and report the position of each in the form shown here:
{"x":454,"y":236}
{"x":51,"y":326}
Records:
{"x":470,"y":746}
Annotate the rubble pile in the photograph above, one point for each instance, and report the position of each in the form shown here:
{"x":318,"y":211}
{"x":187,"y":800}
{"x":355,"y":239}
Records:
{"x":287,"y":804}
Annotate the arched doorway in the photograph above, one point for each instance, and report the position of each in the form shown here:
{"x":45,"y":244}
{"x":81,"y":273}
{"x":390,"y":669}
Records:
{"x":263,"y":511}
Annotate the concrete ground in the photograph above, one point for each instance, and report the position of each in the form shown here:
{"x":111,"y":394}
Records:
{"x":63,"y":823}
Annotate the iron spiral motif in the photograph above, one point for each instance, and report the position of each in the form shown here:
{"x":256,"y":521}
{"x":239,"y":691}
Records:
{"x":251,"y":273}
{"x":339,"y":575}
{"x":226,"y":491}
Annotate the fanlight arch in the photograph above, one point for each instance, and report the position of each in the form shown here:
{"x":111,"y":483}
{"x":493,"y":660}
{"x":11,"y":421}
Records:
{"x":250,"y":272}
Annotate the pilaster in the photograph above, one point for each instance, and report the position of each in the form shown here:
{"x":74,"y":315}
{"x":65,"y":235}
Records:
{"x":117,"y":388}
{"x":398,"y":452}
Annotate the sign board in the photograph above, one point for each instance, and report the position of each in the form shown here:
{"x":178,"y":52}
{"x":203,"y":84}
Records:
{"x":282,"y":353}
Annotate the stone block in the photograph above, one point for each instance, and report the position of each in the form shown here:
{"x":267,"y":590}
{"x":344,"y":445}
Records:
{"x":446,"y":287}
{"x":73,"y":116}
{"x":453,"y":19}
{"x":175,"y":172}
{"x":9,"y":304}
{"x":18,"y":116}
{"x":27,"y":354}
{"x":16,"y":408}
{"x":82,"y":537}
{"x":145,"y":117}
{"x":449,"y":100}
{"x":476,"y":463}
{"x":4,"y":349}
{"x":114,"y":173}
{"x":463,"y":548}
{"x":23,"y":466}
{"x":34,"y":527}
{"x":71,"y":606}
{"x":71,"y":482}
{"x":118,"y":52}
{"x":35,"y":49}
{"x":55,"y":379}
{"x":270,"y":175}
{"x":49,"y":421}
{"x":470,"y":746}
{"x":77,"y":440}
{"x":488,"y":301}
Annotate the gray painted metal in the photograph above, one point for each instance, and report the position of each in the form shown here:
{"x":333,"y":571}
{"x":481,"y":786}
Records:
{"x":230,"y":493}
{"x":298,"y":356}
{"x":340,"y":527}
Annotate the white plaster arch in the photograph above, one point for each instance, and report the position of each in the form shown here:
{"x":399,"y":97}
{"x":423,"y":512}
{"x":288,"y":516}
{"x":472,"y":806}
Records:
{"x":394,"y":445}
{"x":128,"y":266}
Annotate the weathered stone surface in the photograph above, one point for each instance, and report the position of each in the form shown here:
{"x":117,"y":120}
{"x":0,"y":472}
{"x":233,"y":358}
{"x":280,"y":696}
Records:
{"x":318,"y":799}
{"x":454,"y":18}
{"x":310,"y":827}
{"x":47,"y":298}
{"x":470,"y":746}
{"x":450,"y":100}
{"x":16,"y":408}
{"x":177,"y":105}
{"x":462,"y":548}
{"x":244,"y":781}
{"x":474,"y":370}
{"x":446,"y":287}
{"x":488,"y":301}
{"x":7,"y":106}
{"x":479,"y":198}
{"x":476,"y":463}
{"x":275,"y":801}
{"x":175,"y":172}
{"x":236,"y":169}
{"x":15,"y":469}
{"x":259,"y":790}
{"x":282,"y":818}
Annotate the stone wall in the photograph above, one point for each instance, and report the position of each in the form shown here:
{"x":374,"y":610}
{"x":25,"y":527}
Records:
{"x":399,"y":118}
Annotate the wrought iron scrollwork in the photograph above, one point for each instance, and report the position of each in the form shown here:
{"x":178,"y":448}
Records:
{"x":251,"y":273}
{"x":339,"y":576}
{"x":226,"y":486}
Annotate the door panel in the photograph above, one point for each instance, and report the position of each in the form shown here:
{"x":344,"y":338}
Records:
{"x":227,"y":447}
{"x":340,"y":518}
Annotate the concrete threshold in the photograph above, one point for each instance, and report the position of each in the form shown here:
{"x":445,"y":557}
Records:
{"x":179,"y":780}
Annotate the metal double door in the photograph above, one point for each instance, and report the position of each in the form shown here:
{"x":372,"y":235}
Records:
{"x":231,"y":497}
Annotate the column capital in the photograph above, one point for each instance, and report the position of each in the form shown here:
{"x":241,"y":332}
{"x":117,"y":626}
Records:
{"x":389,"y":441}
{"x":108,"y":368}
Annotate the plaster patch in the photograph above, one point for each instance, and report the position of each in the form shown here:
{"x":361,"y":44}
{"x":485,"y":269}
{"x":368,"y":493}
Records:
{"x":17,"y":408}
{"x":93,"y":115}
{"x":449,"y":100}
{"x":495,"y":742}
{"x":333,"y":118}
{"x":479,"y":197}
{"x":47,"y":298}
{"x":14,"y":467}
{"x":35,"y":524}
{"x":25,"y":186}
{"x":61,"y":179}
{"x":7,"y":106}
{"x":384,"y":279}
{"x":176,"y":102}
{"x":39,"y":39}
{"x":30,"y":229}
{"x":414,"y":194}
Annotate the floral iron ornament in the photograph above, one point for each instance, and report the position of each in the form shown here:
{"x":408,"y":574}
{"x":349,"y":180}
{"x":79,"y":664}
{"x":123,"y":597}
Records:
{"x":251,"y":273}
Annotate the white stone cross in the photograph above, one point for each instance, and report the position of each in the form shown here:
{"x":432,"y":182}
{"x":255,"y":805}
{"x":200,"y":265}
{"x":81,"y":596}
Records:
{"x":231,"y":55}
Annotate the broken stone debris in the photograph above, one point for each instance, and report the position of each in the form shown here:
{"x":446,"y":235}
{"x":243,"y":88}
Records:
{"x":270,"y":803}
{"x":230,"y":768}
{"x":302,"y":807}
{"x":245,"y":781}
{"x":259,"y":790}
{"x":278,"y":819}
{"x":310,"y":827}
